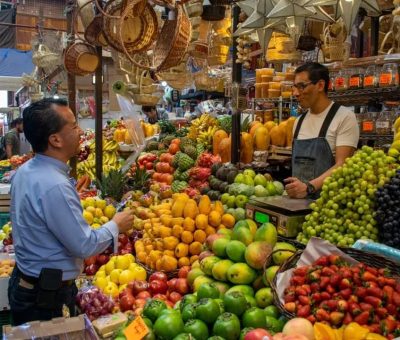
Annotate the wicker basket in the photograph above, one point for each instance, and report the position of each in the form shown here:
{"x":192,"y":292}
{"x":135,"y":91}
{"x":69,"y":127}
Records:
{"x":333,"y":47}
{"x":145,"y":99}
{"x":281,"y":48}
{"x":94,"y":32}
{"x":369,"y":259}
{"x":194,"y":8}
{"x":81,"y":59}
{"x":43,"y":57}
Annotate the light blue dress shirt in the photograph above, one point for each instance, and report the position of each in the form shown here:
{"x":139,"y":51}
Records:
{"x":47,"y":224}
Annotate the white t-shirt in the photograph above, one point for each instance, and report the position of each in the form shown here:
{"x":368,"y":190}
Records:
{"x":343,"y":131}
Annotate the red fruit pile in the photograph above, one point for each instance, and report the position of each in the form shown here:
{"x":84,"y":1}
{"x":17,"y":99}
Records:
{"x":332,"y":291}
{"x":135,"y":295}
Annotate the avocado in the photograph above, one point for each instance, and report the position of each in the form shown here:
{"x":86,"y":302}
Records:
{"x":231,"y":176}
{"x":215,"y":167}
{"x":221,"y":173}
{"x":204,"y":190}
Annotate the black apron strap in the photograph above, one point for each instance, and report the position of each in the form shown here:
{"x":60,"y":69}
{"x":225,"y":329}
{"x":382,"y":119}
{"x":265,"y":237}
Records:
{"x":328,"y":119}
{"x":298,"y":126}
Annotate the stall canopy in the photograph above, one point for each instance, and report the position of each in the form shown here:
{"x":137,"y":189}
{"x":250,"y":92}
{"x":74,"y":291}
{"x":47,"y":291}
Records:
{"x":13,"y":64}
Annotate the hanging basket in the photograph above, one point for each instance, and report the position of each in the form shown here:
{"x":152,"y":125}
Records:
{"x":43,"y":57}
{"x":81,"y":59}
{"x":194,"y":8}
{"x":94,"y":32}
{"x":333,"y":47}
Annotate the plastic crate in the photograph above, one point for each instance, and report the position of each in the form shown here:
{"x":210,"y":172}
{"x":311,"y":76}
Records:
{"x":5,"y":319}
{"x":4,"y":218}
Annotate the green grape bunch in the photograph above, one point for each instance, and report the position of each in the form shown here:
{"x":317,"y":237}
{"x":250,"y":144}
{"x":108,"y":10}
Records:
{"x":344,"y":212}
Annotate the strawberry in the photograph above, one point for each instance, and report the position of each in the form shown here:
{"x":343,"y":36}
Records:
{"x":327,"y":271}
{"x":374,"y":318}
{"x":334,"y":267}
{"x":290,"y":307}
{"x":304,"y":300}
{"x":366,"y":307}
{"x":388,"y":294}
{"x":314,"y":276}
{"x":311,"y":318}
{"x":336,"y":318}
{"x":361,"y":292}
{"x":391,"y":309}
{"x":374,"y":301}
{"x":396,"y":299}
{"x":372,"y":270}
{"x":381,"y":312}
{"x":304,"y":311}
{"x":357,"y":279}
{"x":397,"y":287}
{"x":300,"y":291}
{"x":325,"y":296}
{"x":346,"y":273}
{"x":307,"y":288}
{"x":374,"y":291}
{"x":345,"y":293}
{"x":324,"y":281}
{"x":354,"y":308}
{"x":388,"y":325}
{"x":335,"y":279}
{"x":297,"y":280}
{"x":353,"y":298}
{"x":301,"y":271}
{"x":362,"y":319}
{"x":316,"y":297}
{"x":342,"y":305}
{"x":314,"y":287}
{"x":330,"y":289}
{"x":381,"y":281}
{"x":367,"y":276}
{"x":390,"y":281}
{"x":371,"y":284}
{"x":345,"y":283}
{"x":334,"y":259}
{"x":347,"y":319}
{"x":322,"y":261}
{"x":290,"y":289}
{"x":290,"y":297}
{"x":374,"y":328}
{"x":322,"y":315}
{"x":332,"y":304}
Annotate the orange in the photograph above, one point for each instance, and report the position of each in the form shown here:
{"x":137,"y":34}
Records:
{"x":195,"y":248}
{"x":170,"y":242}
{"x":188,"y":224}
{"x":214,"y":218}
{"x":183,"y":261}
{"x":159,"y":244}
{"x":194,"y":258}
{"x":169,"y":263}
{"x":201,"y":221}
{"x":155,"y":255}
{"x":228,"y":220}
{"x":164,"y":232}
{"x":181,"y":250}
{"x":199,"y":236}
{"x":210,"y":230}
{"x":221,"y":226}
{"x":177,"y":230}
{"x":187,"y":237}
{"x":158,"y":265}
{"x":149,"y":248}
{"x":169,"y":252}
{"x":141,"y":256}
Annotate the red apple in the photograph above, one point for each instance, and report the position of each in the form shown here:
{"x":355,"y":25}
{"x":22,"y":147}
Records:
{"x":102,"y":259}
{"x":123,"y":238}
{"x":126,"y":291}
{"x":126,"y":302}
{"x":205,"y":254}
{"x":90,"y":260}
{"x":160,"y":276}
{"x":169,"y":303}
{"x":183,"y":272}
{"x":160,"y":297}
{"x":91,"y":269}
{"x":143,"y":295}
{"x":174,"y":297}
{"x":181,"y":286}
{"x":139,"y":303}
{"x":258,"y":334}
{"x":138,"y":286}
{"x":158,"y":287}
{"x":171,"y":284}
{"x":108,"y":251}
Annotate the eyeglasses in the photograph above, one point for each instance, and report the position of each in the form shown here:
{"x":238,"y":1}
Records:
{"x":301,"y":86}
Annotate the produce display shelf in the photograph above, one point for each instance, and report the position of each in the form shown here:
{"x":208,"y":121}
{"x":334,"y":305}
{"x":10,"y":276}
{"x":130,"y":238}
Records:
{"x":275,"y":100}
{"x":363,"y":96}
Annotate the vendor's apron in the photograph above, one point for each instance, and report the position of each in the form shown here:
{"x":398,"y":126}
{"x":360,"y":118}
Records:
{"x":312,"y":157}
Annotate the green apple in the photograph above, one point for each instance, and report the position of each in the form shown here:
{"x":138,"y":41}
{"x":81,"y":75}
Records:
{"x":260,"y":191}
{"x":264,"y":297}
{"x":279,"y":187}
{"x":241,"y":201}
{"x":239,"y":178}
{"x":239,"y":214}
{"x":231,"y":203}
{"x":271,"y":189}
{"x":248,"y":180}
{"x":249,"y":172}
{"x":224,"y":198}
{"x":260,"y":180}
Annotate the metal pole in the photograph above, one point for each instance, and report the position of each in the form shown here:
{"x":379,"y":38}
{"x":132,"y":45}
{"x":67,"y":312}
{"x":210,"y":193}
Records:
{"x":99,"y":114}
{"x":374,"y":35}
{"x":236,"y":68}
{"x":70,"y":77}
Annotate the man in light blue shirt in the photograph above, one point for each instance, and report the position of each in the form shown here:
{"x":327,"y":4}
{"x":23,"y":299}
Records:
{"x":51,"y":238}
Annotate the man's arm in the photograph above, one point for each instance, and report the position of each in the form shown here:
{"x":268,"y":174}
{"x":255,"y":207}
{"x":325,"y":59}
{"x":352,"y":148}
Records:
{"x":9,"y":150}
{"x":298,"y":189}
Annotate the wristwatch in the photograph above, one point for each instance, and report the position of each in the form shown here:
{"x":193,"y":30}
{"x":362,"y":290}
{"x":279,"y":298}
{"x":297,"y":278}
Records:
{"x":310,"y":188}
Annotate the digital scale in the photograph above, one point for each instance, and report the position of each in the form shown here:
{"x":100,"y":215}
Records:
{"x":287,"y":214}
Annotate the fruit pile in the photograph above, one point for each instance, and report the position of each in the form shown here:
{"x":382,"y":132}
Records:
{"x":94,"y":303}
{"x":5,"y":232}
{"x":113,"y":277}
{"x":344,"y":212}
{"x":96,"y":211}
{"x":202,"y":129}
{"x":332,"y":291}
{"x":16,"y":161}
{"x":6,"y":267}
{"x":175,"y":238}
{"x":388,"y":212}
{"x":394,"y":150}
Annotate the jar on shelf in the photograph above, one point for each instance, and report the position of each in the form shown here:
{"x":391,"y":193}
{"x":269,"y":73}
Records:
{"x":371,"y":76}
{"x":383,"y":123}
{"x":356,"y":80}
{"x":268,"y":115}
{"x":258,"y":92}
{"x":389,"y":75}
{"x":341,"y":81}
{"x":259,"y":75}
{"x":275,"y":85}
{"x":268,"y":71}
{"x":264,"y":90}
{"x":368,"y":123}
{"x":274,"y":93}
{"x":266,"y":78}
{"x":286,"y":89}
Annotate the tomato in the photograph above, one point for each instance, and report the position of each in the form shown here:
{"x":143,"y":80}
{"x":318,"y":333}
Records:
{"x":207,"y":310}
{"x":244,"y":332}
{"x":207,"y":290}
{"x":188,"y":298}
{"x":168,"y":325}
{"x":228,"y":326}
{"x":149,"y":166}
{"x":254,"y":317}
{"x":184,"y":336}
{"x":189,"y":312}
{"x":148,"y":322}
{"x":235,"y":302}
{"x":197,"y":328}
{"x":153,"y":309}
{"x":221,"y":305}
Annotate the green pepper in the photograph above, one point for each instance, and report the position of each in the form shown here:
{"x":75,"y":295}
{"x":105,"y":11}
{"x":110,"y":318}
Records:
{"x":235,"y":302}
{"x":228,"y":326}
{"x":189,"y":312}
{"x":168,"y":326}
{"x":197,"y":328}
{"x":207,"y":290}
{"x":188,"y":299}
{"x":153,"y":309}
{"x":254,"y":317}
{"x":207,"y":310}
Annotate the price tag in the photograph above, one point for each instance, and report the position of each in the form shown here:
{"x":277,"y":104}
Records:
{"x":369,"y":81}
{"x":385,"y":79}
{"x":136,"y":330}
{"x":368,"y":126}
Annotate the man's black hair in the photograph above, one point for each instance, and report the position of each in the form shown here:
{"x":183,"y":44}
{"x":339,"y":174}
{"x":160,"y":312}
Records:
{"x":41,"y":121}
{"x":148,"y":108}
{"x":16,"y":122}
{"x":316,"y":72}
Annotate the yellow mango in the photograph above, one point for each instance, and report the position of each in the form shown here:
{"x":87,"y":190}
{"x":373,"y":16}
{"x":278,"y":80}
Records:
{"x":178,"y":207}
{"x":218,"y":207}
{"x":191,"y":210}
{"x":205,"y":205}
{"x":261,"y":139}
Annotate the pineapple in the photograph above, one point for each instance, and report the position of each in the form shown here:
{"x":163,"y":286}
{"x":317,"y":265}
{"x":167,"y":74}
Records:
{"x":178,"y":186}
{"x":185,"y":162}
{"x":175,"y":161}
{"x":112,"y":185}
{"x":185,"y":141}
{"x":190,"y":151}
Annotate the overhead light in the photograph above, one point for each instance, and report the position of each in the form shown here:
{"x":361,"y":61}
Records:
{"x":56,"y":96}
{"x":164,"y":83}
{"x":94,"y":79}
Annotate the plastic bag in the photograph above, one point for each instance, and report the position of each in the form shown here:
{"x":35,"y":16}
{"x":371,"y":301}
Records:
{"x":93,"y":302}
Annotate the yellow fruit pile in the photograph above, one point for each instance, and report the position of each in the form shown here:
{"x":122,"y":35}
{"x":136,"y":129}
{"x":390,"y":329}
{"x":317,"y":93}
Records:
{"x":6,"y":267}
{"x":96,"y":212}
{"x":5,"y":231}
{"x":353,"y":331}
{"x":394,"y":150}
{"x":113,"y":277}
{"x":176,"y":237}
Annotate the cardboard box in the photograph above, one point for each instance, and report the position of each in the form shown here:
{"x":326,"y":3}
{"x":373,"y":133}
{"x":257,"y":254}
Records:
{"x":77,"y":328}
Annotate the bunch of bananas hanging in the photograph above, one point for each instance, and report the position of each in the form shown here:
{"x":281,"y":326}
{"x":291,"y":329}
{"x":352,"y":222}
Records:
{"x":206,"y":137}
{"x":200,"y":125}
{"x":110,"y":159}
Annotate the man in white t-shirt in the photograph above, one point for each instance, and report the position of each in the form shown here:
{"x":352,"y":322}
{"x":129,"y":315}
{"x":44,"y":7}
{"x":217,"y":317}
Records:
{"x":323,"y":137}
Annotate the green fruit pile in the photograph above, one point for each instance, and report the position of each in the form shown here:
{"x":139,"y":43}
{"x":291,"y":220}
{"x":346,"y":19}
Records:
{"x":344,"y":212}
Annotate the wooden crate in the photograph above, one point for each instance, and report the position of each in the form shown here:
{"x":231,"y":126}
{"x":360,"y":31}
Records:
{"x":5,"y":202}
{"x":279,"y":153}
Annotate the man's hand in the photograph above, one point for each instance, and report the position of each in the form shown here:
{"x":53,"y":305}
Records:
{"x":295,"y":188}
{"x":124,"y":220}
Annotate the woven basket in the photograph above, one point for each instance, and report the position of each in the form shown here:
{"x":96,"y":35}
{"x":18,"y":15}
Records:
{"x":369,"y":259}
{"x":85,"y":12}
{"x":43,"y":57}
{"x":202,"y":80}
{"x":215,"y":60}
{"x":94,"y":32}
{"x":194,"y":8}
{"x":333,"y":47}
{"x":281,"y":48}
{"x":145,"y":99}
{"x":81,"y":59}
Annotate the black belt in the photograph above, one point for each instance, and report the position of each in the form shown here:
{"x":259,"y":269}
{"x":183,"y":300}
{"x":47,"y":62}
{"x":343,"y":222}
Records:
{"x":34,"y":280}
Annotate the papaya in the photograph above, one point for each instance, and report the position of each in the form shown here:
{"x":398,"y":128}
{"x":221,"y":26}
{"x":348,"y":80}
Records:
{"x":289,"y":130}
{"x":269,"y":125}
{"x":224,"y":150}
{"x":246,"y":148}
{"x":191,"y":210}
{"x":261,"y":139}
{"x":254,"y":127}
{"x":278,"y":136}
{"x":218,"y":136}
{"x":178,"y":207}
{"x":205,"y":205}
{"x":218,"y":207}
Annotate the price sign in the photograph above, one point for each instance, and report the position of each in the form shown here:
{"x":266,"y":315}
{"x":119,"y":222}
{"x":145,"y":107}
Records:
{"x":136,"y":330}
